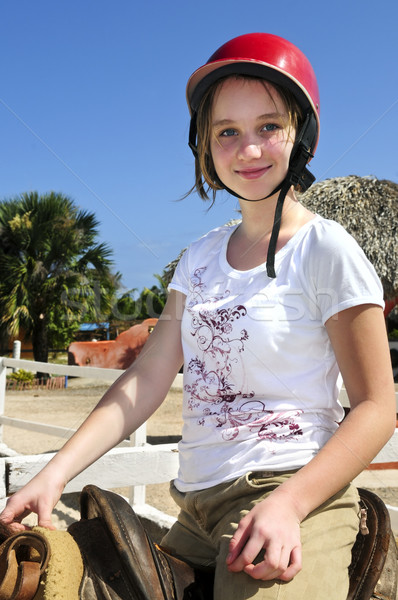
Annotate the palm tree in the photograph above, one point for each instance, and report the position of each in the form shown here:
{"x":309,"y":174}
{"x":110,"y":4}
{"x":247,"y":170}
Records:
{"x":148,"y":304}
{"x":52,"y":267}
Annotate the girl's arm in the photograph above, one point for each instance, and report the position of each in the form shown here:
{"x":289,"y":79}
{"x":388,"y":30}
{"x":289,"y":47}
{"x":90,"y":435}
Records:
{"x":125,"y":406}
{"x":360,"y":344}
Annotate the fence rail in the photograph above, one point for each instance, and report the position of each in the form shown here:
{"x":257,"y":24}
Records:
{"x":134,"y":463}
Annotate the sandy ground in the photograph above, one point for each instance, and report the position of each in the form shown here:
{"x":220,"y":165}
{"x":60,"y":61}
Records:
{"x":69,"y":407}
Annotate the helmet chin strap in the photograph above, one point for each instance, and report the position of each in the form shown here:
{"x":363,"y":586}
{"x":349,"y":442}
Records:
{"x":275,"y":229}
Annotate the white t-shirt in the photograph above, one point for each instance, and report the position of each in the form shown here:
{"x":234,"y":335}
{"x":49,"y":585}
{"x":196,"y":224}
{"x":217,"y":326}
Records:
{"x":261,"y":382}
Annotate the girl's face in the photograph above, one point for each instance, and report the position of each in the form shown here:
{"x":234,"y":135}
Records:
{"x":251,"y":139}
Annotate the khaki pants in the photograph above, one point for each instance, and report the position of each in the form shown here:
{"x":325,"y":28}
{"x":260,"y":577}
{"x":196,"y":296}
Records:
{"x":208,"y":519}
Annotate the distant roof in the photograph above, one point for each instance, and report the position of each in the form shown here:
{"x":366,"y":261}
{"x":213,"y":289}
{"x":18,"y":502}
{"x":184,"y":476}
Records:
{"x":93,"y":326}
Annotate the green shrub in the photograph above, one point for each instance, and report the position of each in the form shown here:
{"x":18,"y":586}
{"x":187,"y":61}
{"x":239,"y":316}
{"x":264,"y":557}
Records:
{"x":22,"y":376}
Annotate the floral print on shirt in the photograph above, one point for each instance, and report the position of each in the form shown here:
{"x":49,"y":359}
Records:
{"x":213,"y":392}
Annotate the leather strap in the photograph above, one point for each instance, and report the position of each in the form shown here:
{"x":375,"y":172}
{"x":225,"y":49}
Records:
{"x":20,"y":572}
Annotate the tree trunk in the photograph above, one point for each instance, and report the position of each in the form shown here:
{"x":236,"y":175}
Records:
{"x":40,"y":345}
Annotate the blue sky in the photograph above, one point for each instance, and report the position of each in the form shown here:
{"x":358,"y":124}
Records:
{"x":92,"y":104}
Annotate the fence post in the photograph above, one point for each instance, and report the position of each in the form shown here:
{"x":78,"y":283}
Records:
{"x":3,"y":483}
{"x":137,"y":493}
{"x":16,"y":351}
{"x":3,"y":382}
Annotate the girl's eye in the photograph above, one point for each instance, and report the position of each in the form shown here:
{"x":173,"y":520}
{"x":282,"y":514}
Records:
{"x":270,"y":127}
{"x":228,"y":132}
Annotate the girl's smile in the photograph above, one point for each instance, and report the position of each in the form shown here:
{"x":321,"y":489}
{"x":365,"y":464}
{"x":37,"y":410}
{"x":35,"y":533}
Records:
{"x":253,"y":173}
{"x":251,"y":139}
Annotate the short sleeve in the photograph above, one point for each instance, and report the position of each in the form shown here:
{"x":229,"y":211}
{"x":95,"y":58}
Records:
{"x":341,"y":274}
{"x":199,"y":253}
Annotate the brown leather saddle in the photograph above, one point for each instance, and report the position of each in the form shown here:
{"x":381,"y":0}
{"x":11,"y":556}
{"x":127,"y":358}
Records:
{"x":121,"y":562}
{"x":374,"y":567}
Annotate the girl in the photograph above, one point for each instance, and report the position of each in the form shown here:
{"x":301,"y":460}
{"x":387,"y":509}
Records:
{"x":264,"y":315}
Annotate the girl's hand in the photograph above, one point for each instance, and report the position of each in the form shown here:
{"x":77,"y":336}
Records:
{"x":39,"y":496}
{"x":274,"y":526}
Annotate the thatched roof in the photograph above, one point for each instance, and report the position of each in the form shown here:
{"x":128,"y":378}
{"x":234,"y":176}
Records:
{"x":169,"y":269}
{"x":368,"y":209}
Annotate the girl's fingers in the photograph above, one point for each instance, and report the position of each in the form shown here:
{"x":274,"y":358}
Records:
{"x":295,"y":565}
{"x":44,"y":511}
{"x":11,"y":515}
{"x":250,"y":550}
{"x":45,"y":521}
{"x":274,"y":562}
{"x":289,"y":565}
{"x":20,"y":506}
{"x":237,"y":543}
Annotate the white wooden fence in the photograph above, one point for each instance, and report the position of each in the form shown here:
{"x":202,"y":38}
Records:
{"x":133,"y":463}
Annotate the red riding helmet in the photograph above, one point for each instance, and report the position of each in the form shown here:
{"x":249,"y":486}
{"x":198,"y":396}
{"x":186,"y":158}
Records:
{"x":261,"y":55}
{"x":276,"y":60}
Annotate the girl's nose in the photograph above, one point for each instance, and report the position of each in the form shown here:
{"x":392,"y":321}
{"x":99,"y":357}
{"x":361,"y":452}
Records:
{"x":249,"y":149}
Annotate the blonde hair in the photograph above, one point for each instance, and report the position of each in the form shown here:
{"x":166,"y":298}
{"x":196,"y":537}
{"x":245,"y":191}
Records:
{"x":206,"y":180}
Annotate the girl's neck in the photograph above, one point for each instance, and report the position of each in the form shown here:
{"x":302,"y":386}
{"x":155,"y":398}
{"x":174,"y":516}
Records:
{"x":258,"y":217}
{"x":248,"y":245}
